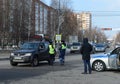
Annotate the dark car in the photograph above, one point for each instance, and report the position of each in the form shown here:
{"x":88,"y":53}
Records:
{"x":100,"y":47}
{"x":30,"y":52}
{"x":93,"y":48}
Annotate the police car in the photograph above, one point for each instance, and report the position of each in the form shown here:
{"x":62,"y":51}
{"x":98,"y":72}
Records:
{"x":101,"y":62}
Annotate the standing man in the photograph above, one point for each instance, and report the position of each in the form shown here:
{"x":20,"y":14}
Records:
{"x":51,"y":53}
{"x":85,"y":50}
{"x":62,"y":52}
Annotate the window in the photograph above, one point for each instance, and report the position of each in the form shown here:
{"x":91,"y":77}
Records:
{"x":116,"y":51}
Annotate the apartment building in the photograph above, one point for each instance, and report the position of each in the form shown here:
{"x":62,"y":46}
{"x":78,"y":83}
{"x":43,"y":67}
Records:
{"x":43,"y":18}
{"x":84,"y":20}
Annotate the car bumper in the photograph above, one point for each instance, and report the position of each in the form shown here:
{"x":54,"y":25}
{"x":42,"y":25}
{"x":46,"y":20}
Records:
{"x":99,"y":49}
{"x":26,"y":59}
{"x":74,"y":50}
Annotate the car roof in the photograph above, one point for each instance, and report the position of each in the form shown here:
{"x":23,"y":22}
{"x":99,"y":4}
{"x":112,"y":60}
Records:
{"x":76,"y":43}
{"x":36,"y":42}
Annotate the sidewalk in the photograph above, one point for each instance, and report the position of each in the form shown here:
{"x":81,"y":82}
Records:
{"x":4,"y":56}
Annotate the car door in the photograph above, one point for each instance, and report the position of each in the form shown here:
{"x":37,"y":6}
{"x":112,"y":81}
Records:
{"x":44,"y":54}
{"x":46,"y":50}
{"x":41,"y":51}
{"x":113,"y":58}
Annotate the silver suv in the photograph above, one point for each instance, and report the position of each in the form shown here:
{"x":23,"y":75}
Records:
{"x":75,"y":47}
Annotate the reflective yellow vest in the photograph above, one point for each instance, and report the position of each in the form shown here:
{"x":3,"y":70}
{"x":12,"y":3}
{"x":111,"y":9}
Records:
{"x":51,"y":49}
{"x":63,"y":46}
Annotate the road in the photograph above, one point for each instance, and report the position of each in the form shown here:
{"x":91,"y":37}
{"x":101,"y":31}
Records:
{"x":70,"y":73}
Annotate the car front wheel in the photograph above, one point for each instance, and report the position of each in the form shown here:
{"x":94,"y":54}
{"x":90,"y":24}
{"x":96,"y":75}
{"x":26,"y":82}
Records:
{"x":98,"y":66}
{"x":13,"y":63}
{"x":35,"y":62}
{"x":49,"y":62}
{"x":71,"y":51}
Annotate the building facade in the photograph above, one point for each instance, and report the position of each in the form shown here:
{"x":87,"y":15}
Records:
{"x":42,"y":19}
{"x":21,"y":20}
{"x":84,"y":20}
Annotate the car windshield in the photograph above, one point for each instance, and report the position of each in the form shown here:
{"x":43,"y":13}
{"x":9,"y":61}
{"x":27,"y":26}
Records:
{"x":76,"y":44}
{"x":116,"y":51}
{"x":29,"y":46}
{"x":99,"y":45}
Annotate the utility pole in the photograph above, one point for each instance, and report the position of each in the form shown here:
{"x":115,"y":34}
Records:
{"x":60,"y":21}
{"x":29,"y":27}
{"x":58,"y":18}
{"x":58,"y":30}
{"x":4,"y":23}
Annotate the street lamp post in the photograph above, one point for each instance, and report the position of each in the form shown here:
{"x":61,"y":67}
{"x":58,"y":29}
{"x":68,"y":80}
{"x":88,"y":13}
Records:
{"x":58,"y":18}
{"x":58,"y":30}
{"x":29,"y":27}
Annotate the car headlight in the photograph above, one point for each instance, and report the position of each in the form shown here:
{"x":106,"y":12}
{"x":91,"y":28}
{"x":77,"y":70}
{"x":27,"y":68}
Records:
{"x":11,"y":54}
{"x":28,"y":54}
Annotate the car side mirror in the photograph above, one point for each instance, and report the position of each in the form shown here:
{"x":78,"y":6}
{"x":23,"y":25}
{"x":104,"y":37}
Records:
{"x":41,"y":47}
{"x":108,"y":53}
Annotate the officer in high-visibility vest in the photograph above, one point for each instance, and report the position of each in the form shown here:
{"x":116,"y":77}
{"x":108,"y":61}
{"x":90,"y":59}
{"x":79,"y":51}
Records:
{"x":62,"y":52}
{"x":51,"y":53}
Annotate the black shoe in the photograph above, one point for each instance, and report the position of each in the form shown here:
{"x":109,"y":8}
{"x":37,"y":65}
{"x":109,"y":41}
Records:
{"x":84,"y":73}
{"x":51,"y":64}
{"x":90,"y":73}
{"x":62,"y":64}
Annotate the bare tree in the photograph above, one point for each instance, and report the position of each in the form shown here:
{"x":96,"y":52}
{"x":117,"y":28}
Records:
{"x":15,"y":21}
{"x":117,"y":39}
{"x":95,"y":35}
{"x":67,"y":20}
{"x":4,"y":23}
{"x":55,"y":4}
{"x":69,"y":26}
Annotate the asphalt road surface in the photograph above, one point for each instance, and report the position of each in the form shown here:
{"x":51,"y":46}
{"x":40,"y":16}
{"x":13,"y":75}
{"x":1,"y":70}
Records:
{"x":70,"y":73}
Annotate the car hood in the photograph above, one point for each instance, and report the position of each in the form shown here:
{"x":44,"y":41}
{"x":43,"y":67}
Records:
{"x":101,"y":55}
{"x":99,"y":47}
{"x":24,"y":51}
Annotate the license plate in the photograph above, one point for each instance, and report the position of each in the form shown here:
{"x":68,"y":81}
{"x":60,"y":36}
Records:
{"x":74,"y":47}
{"x":17,"y":58}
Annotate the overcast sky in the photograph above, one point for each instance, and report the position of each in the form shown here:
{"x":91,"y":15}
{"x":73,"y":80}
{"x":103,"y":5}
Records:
{"x":105,"y":13}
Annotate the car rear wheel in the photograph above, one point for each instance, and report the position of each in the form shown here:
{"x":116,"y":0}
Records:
{"x":98,"y":66}
{"x":35,"y":62}
{"x":71,"y":51}
{"x":13,"y":63}
{"x":49,"y":62}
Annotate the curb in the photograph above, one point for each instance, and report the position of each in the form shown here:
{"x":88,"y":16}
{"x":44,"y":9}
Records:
{"x":4,"y":56}
{"x":3,"y":59}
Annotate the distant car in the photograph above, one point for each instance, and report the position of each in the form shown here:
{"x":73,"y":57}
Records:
{"x":30,"y":52}
{"x":100,"y":48}
{"x":75,"y":47}
{"x":107,"y":45}
{"x":14,"y":46}
{"x":111,"y":60}
{"x":117,"y":45}
{"x":93,"y":47}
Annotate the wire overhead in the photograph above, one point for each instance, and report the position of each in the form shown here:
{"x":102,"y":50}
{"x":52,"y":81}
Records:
{"x":102,"y":13}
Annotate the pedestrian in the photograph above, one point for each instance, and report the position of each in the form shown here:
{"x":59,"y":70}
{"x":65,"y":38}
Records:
{"x":62,"y":52}
{"x":51,"y":54}
{"x":85,"y":50}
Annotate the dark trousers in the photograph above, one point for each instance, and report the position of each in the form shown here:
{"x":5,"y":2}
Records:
{"x":87,"y":66}
{"x":52,"y":59}
{"x":62,"y":56}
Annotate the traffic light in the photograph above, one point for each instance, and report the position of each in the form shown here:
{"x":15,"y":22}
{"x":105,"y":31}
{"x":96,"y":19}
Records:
{"x":106,"y":28}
